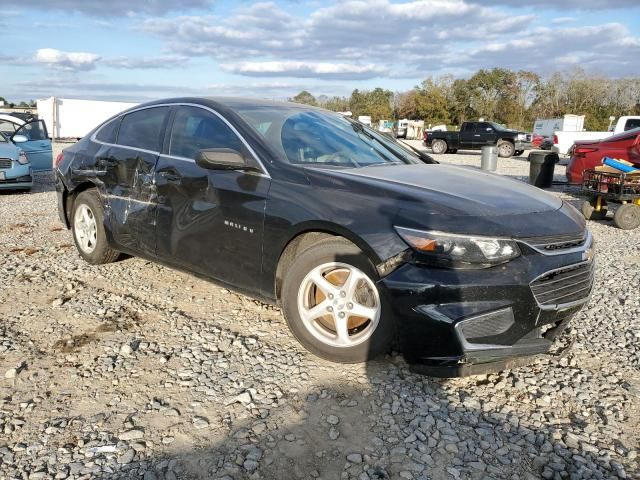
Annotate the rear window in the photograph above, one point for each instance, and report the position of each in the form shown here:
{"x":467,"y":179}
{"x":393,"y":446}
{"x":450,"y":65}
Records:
{"x":108,"y":131}
{"x":143,"y":129}
{"x":631,"y":124}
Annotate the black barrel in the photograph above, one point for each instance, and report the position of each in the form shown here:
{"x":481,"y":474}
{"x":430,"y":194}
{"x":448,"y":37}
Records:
{"x":541,"y":166}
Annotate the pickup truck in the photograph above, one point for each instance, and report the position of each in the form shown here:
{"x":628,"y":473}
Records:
{"x":475,"y":135}
{"x":563,"y":141}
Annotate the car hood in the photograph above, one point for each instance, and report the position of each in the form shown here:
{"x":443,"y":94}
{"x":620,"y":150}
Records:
{"x":447,"y":189}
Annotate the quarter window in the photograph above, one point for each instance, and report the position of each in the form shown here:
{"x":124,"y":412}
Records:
{"x":196,"y":129}
{"x":143,"y":129}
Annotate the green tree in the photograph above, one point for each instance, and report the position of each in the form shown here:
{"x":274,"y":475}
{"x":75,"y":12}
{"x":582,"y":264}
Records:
{"x":375,"y":103}
{"x":304,"y":97}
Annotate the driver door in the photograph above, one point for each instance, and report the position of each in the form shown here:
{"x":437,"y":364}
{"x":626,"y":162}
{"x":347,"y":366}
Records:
{"x":209,"y":221}
{"x":37,"y":147}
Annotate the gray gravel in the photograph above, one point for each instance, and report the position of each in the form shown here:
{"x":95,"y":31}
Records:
{"x":133,"y":370}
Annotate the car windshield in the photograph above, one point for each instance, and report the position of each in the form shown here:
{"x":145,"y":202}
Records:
{"x":319,"y":138}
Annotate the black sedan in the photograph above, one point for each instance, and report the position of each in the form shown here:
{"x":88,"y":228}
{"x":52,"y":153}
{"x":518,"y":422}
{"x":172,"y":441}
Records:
{"x":360,"y":239}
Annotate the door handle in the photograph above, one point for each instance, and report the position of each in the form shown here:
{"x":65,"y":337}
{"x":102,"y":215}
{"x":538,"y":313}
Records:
{"x":169,"y":176}
{"x":477,"y":135}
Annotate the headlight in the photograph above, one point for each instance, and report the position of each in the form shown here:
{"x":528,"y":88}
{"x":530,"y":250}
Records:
{"x":22,"y":158}
{"x":522,"y":136}
{"x":460,"y":251}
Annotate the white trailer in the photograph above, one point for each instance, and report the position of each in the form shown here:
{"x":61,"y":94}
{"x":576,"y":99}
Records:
{"x":546,"y":127}
{"x":73,"y":118}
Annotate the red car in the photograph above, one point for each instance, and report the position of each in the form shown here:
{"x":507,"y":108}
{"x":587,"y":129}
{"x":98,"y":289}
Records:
{"x":588,"y":153}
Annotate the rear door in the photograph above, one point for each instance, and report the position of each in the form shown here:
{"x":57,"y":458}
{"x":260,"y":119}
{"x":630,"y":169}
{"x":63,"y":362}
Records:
{"x":209,"y":221}
{"x":38,"y":146}
{"x":467,"y":135}
{"x":127,"y":167}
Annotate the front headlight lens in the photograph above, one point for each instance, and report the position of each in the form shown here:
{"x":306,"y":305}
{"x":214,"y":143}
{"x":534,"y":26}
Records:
{"x":22,"y":158}
{"x":460,"y":251}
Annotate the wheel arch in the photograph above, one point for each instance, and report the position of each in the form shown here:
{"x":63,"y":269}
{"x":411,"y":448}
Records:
{"x":69,"y":197}
{"x":308,"y":234}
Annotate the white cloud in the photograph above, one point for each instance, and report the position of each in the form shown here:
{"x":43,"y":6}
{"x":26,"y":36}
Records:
{"x":361,"y":39}
{"x":304,"y":69}
{"x":113,"y":8}
{"x":567,"y":4}
{"x":66,"y":60}
{"x":144,"y":63}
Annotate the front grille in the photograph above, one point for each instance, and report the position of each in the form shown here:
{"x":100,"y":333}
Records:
{"x":5,"y":163}
{"x":552,"y":243}
{"x":564,"y":286}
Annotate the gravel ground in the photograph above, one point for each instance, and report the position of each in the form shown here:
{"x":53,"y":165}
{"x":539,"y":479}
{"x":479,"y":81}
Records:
{"x":134,"y":370}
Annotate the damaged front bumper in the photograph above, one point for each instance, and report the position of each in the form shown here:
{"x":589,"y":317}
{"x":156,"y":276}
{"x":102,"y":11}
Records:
{"x":455,"y":323}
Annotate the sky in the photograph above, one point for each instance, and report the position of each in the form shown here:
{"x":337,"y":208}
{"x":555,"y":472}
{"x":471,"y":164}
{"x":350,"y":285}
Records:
{"x":147,"y":49}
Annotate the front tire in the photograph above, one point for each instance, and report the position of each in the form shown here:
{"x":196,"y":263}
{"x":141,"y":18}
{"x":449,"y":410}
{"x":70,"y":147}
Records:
{"x":87,"y":224}
{"x":333,"y":306}
{"x":506,"y":149}
{"x":590,"y":213}
{"x":439,"y":146}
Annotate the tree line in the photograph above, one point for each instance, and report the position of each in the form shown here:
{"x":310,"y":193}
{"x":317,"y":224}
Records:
{"x":512,"y":98}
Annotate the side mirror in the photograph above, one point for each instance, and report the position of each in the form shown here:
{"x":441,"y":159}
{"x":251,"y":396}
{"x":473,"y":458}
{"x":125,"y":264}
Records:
{"x":221,"y":159}
{"x":19,"y":139}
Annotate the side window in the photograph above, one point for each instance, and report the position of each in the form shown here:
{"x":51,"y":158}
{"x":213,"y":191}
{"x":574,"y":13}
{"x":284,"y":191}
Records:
{"x":482,"y":127}
{"x":107,"y":132}
{"x":34,"y":130}
{"x":196,"y":129}
{"x":7,"y":127}
{"x":143,"y":129}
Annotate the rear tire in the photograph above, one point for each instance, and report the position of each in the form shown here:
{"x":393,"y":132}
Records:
{"x":627,"y":216}
{"x":590,"y":213}
{"x":506,"y":149}
{"x":87,"y":224}
{"x":439,"y":146}
{"x":320,"y":303}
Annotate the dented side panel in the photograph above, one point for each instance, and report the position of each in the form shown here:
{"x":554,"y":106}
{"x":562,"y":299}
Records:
{"x":130,"y":195}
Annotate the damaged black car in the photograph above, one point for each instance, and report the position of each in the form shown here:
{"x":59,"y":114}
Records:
{"x":361,"y":240}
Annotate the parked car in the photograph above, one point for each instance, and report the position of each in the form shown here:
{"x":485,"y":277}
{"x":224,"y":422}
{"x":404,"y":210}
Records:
{"x":588,"y":154}
{"x":356,"y":237}
{"x":33,"y":138}
{"x":563,"y":141}
{"x":475,"y":135}
{"x":15,"y":169}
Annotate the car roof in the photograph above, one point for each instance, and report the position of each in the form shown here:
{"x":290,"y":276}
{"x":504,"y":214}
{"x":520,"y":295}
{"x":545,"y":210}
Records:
{"x":11,"y":118}
{"x":229,"y":102}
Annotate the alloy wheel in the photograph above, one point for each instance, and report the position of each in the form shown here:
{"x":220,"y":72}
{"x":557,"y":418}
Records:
{"x":339,"y":304}
{"x":85,"y":228}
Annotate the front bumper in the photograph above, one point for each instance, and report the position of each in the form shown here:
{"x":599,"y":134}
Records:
{"x":522,"y":145}
{"x":17,"y":177}
{"x":464,"y":322}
